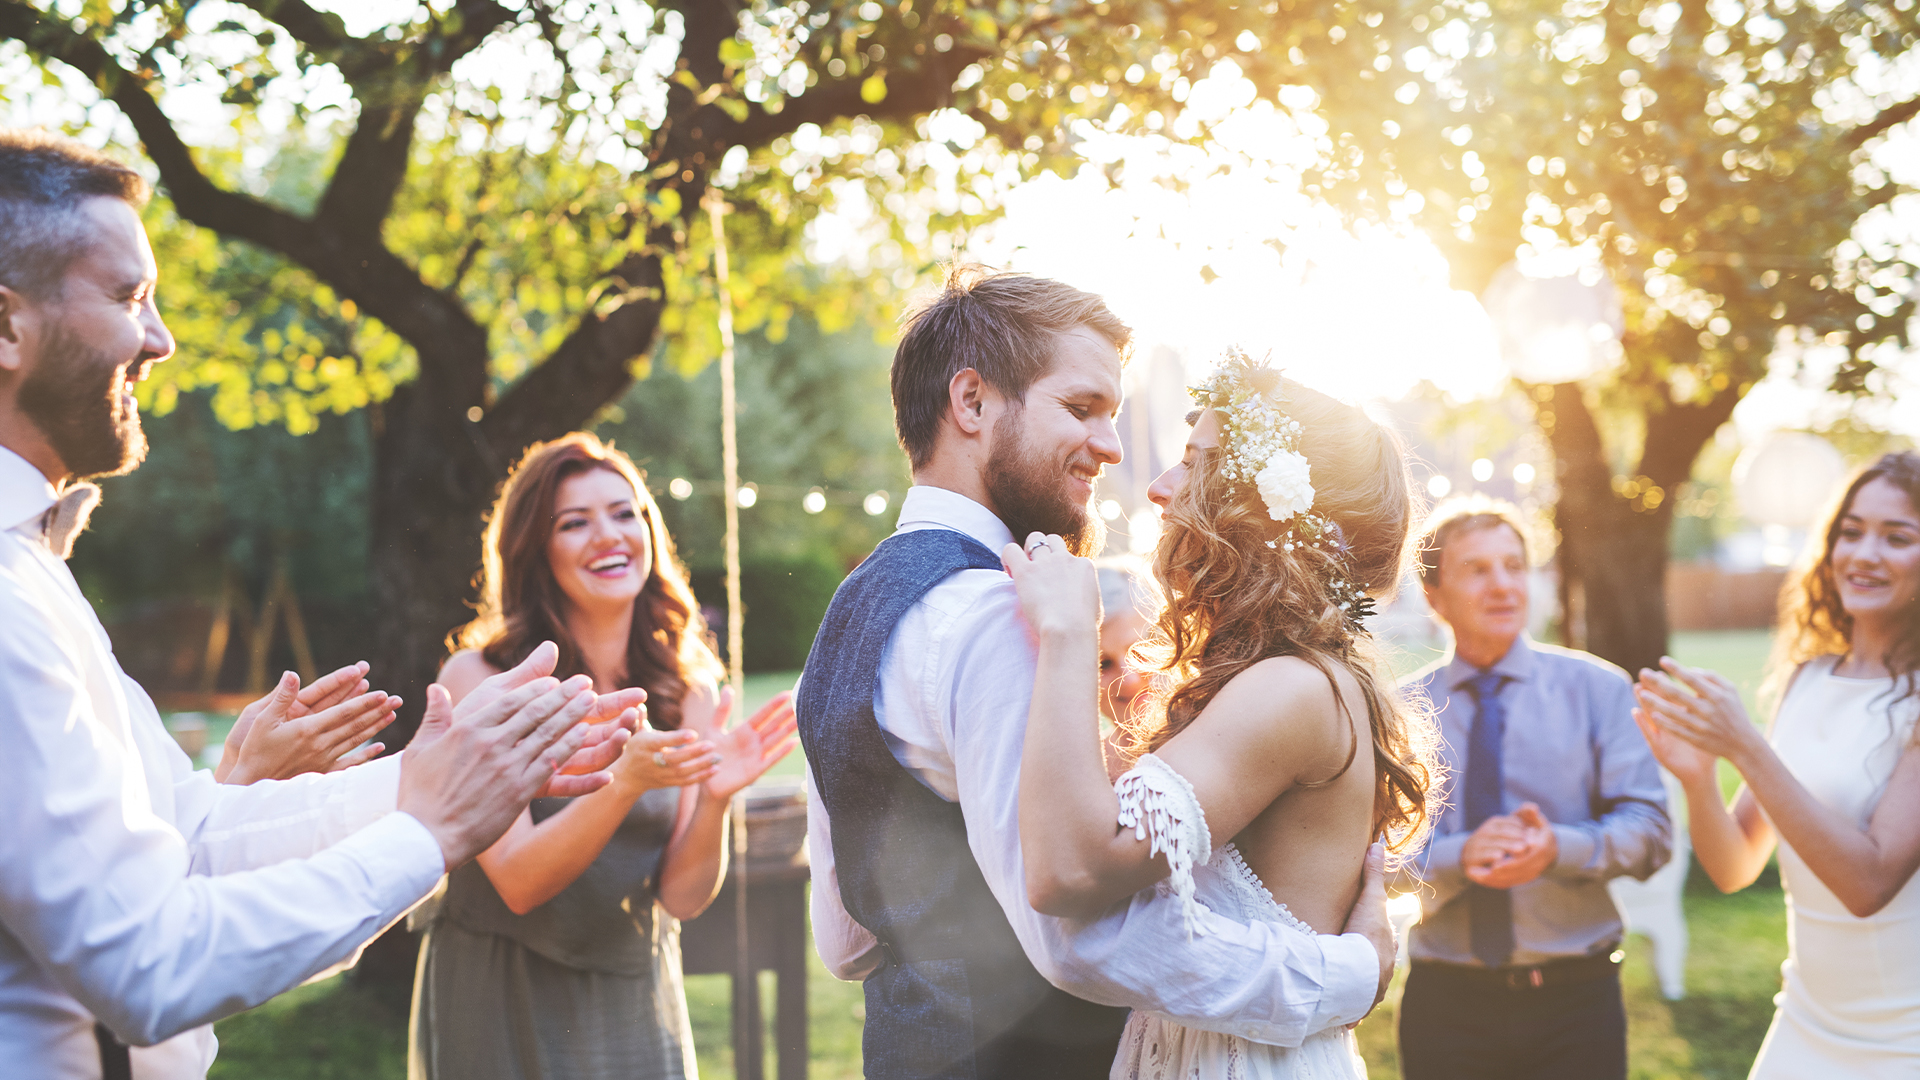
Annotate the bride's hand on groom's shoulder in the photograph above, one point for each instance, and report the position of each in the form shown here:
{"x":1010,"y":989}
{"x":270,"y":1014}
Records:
{"x":1059,"y":591}
{"x":1369,"y":917}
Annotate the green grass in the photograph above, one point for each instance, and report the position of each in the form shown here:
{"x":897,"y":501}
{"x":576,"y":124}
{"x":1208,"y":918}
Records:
{"x":339,"y":1029}
{"x":1733,"y":971}
{"x":331,"y":1030}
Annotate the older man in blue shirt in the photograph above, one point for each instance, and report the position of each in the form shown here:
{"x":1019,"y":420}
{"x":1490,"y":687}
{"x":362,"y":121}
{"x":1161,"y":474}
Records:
{"x":1515,"y":970}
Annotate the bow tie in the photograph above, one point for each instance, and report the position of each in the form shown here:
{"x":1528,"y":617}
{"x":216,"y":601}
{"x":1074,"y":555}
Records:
{"x":68,"y":517}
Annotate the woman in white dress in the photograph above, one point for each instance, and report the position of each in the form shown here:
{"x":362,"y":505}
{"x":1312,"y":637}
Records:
{"x":1837,"y":786}
{"x":1277,"y":751}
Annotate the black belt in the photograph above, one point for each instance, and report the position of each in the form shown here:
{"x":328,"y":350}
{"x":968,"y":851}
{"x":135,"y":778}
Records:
{"x":1564,"y":972}
{"x":115,"y":1064}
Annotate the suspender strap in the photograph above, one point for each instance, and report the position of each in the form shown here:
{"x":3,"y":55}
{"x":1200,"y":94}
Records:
{"x":114,"y":1061}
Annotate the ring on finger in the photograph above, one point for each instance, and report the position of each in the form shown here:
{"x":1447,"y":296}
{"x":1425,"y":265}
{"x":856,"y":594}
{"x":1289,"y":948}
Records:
{"x":660,"y":759}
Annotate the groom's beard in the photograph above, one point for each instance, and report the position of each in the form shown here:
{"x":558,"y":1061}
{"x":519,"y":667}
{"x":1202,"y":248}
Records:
{"x":77,"y":396}
{"x":1033,"y":494}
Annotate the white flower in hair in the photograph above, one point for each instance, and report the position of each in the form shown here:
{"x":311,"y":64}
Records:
{"x":1285,"y":485}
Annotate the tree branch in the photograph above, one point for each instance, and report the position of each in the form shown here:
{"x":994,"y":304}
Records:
{"x":198,"y":198}
{"x":910,"y":93}
{"x":392,"y":87}
{"x":1676,"y":433}
{"x":592,"y":366}
{"x":594,"y":363}
{"x":323,"y":33}
{"x":1891,"y":116}
{"x":361,"y":269}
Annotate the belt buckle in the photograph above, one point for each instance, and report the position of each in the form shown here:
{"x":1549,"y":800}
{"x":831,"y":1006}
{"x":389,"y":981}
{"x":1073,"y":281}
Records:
{"x":1528,"y":978}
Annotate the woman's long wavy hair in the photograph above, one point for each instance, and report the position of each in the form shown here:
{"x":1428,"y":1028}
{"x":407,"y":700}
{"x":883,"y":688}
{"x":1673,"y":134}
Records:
{"x":1813,"y":622}
{"x":521,"y":603}
{"x":1232,"y":601}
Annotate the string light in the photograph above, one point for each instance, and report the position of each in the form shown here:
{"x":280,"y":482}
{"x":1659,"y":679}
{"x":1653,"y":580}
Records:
{"x":812,"y":500}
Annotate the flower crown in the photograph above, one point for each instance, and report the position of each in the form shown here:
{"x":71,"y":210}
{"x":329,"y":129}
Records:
{"x":1260,"y":446}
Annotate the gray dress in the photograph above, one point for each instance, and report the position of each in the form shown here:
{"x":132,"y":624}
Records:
{"x":584,"y":987}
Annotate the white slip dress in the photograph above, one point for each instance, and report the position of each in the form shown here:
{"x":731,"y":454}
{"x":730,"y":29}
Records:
{"x":1850,"y":999}
{"x":1158,"y":803}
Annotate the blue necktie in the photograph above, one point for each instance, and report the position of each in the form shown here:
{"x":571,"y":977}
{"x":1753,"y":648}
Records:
{"x":1490,"y":911}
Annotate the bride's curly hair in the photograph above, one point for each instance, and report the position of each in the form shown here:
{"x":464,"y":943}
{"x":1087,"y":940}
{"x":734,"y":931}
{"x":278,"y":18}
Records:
{"x":1232,"y":601}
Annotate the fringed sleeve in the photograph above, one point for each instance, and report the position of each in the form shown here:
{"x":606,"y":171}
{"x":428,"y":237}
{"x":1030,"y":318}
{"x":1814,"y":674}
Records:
{"x":1160,"y":807}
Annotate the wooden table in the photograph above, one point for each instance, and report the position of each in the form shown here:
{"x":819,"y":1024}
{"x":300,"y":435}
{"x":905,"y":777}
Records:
{"x":776,"y":880}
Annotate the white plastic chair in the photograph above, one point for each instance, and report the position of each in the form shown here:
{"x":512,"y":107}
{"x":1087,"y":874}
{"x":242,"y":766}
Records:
{"x":1653,"y":907}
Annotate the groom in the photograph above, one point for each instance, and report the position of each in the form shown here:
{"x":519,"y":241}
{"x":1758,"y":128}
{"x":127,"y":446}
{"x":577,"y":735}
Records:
{"x":913,"y":710}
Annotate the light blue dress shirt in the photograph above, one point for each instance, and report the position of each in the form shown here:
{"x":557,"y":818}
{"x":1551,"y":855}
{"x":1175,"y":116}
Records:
{"x":1571,"y":748}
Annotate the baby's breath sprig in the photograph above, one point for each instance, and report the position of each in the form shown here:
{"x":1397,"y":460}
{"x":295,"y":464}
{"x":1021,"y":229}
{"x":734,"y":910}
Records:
{"x":1261,"y":445}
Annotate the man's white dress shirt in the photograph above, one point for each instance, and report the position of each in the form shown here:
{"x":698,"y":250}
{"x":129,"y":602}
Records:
{"x":955,"y":685}
{"x":134,"y":889}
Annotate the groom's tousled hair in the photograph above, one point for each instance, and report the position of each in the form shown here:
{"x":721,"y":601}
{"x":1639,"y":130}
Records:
{"x":44,"y":181}
{"x":1002,"y":325}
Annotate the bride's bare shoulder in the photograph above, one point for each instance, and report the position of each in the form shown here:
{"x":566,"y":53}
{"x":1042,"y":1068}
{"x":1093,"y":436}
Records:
{"x":1287,"y":700}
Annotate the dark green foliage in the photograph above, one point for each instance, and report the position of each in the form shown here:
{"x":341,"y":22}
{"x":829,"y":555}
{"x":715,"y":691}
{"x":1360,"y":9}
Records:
{"x":814,"y":411}
{"x":209,"y":499}
{"x":785,"y":600}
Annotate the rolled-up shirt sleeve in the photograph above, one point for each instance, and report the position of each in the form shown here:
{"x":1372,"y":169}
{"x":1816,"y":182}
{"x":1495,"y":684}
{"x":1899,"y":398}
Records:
{"x":231,"y":827}
{"x":1631,"y":834}
{"x":100,"y":890}
{"x":849,"y":950}
{"x":1264,"y":982}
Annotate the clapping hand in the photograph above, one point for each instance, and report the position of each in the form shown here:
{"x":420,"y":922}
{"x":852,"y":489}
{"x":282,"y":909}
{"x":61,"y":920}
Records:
{"x":612,"y":720}
{"x":662,"y":759}
{"x":746,"y":751}
{"x":470,"y":771}
{"x":1510,"y":849}
{"x":316,"y":729}
{"x":1690,"y":717}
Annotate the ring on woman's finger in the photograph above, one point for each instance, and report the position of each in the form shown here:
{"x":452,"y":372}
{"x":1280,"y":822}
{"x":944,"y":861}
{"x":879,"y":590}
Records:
{"x":660,"y":759}
{"x":1039,"y":543}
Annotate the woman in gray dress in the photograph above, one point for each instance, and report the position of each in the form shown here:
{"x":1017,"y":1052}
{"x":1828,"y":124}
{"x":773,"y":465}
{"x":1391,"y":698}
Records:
{"x":556,"y":953}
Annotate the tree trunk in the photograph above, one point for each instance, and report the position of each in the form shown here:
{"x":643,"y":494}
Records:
{"x":432,"y":480}
{"x":1614,"y":530}
{"x":1614,"y":578}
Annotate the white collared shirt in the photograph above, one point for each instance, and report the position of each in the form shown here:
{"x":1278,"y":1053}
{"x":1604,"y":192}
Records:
{"x":122,"y":892}
{"x":955,"y":684}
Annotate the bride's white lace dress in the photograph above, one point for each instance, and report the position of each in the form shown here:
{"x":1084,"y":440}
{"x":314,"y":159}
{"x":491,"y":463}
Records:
{"x":1160,"y":805}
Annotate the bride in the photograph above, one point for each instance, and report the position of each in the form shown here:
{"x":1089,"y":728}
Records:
{"x":1277,"y":750}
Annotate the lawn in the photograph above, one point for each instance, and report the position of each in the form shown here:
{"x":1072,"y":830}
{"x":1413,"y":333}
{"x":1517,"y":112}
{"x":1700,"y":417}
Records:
{"x":337,"y":1030}
{"x":340,"y":1029}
